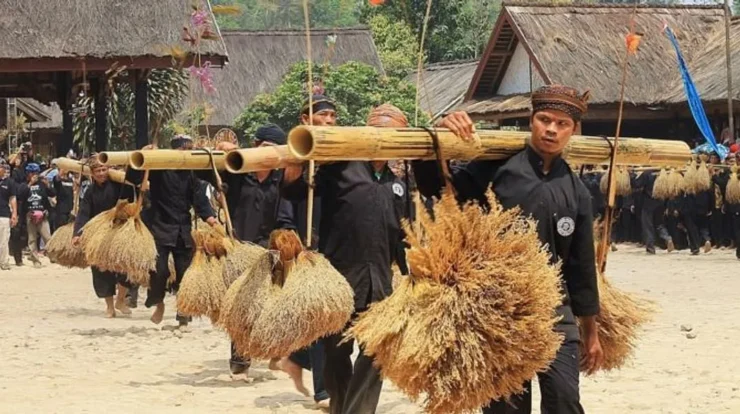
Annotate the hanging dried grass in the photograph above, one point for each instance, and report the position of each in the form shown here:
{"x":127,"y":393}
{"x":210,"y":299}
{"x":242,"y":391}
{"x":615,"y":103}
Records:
{"x":690,"y":178}
{"x":676,"y":184}
{"x":660,"y":188}
{"x":732,"y":191}
{"x":475,"y":318}
{"x":241,"y":259}
{"x":202,"y":288}
{"x":62,"y":252}
{"x":703,"y":178}
{"x":623,"y":182}
{"x":267,"y":319}
{"x":118,"y":241}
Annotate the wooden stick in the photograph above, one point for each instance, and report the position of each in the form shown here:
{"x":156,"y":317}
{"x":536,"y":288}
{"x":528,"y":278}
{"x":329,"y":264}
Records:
{"x":265,"y":158}
{"x":175,"y":160}
{"x":114,"y":157}
{"x":311,"y":164}
{"x":80,"y":168}
{"x":368,"y":143}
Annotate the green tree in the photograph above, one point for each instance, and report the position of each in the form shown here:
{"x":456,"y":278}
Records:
{"x":397,"y":45}
{"x":168,"y":89}
{"x":288,"y":14}
{"x":355,"y":87}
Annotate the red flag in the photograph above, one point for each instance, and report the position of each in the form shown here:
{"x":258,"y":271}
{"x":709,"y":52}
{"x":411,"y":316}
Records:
{"x":376,"y":2}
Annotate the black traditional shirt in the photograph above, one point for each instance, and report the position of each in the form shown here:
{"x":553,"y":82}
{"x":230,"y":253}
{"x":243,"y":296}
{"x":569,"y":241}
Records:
{"x":7,"y":191}
{"x":99,"y":198}
{"x":360,"y":228}
{"x":559,"y":202}
{"x":65,"y":194}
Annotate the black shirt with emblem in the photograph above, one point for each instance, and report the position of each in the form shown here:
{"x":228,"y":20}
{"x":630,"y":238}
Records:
{"x":360,"y":229}
{"x":7,"y":191}
{"x":34,"y":197}
{"x":64,"y":187}
{"x":559,"y":202}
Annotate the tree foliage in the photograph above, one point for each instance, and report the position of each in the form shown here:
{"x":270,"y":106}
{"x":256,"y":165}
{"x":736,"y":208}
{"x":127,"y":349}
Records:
{"x":396,"y":44}
{"x":355,"y":87}
{"x":288,"y":14}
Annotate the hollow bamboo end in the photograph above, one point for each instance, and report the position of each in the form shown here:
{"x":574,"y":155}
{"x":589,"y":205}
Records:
{"x":103,"y":158}
{"x":137,"y":160}
{"x":300,"y":142}
{"x":234,"y":162}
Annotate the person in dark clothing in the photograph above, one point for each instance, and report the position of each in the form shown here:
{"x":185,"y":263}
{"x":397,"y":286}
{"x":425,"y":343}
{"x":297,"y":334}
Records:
{"x":717,"y":218}
{"x":172,"y":193}
{"x":256,"y":208}
{"x":359,"y":233}
{"x":8,"y":214}
{"x":542,"y":184}
{"x":36,"y":199}
{"x":101,"y":196}
{"x":686,"y":206}
{"x":733,"y":211}
{"x":63,"y":184}
{"x":652,"y":214}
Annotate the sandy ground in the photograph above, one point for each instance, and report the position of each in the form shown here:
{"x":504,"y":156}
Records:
{"x":60,"y":355}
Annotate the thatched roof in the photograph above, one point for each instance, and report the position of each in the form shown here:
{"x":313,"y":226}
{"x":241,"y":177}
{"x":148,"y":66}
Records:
{"x":33,"y":31}
{"x":258,"y":60}
{"x":709,"y":68}
{"x":583,"y":46}
{"x":498,"y":104}
{"x":444,"y":84}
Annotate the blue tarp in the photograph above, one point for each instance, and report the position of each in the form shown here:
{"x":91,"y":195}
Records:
{"x":697,"y":110}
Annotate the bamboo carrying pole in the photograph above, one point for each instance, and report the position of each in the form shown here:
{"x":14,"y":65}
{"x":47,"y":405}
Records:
{"x":175,"y":160}
{"x":368,"y":143}
{"x":114,"y":157}
{"x":80,"y":168}
{"x":247,"y":160}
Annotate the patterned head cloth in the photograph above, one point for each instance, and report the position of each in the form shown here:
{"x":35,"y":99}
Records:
{"x":93,"y":162}
{"x":560,"y":98}
{"x":387,"y":115}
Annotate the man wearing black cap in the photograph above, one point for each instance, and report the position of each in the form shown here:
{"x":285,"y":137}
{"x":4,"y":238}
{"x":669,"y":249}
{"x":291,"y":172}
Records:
{"x":256,"y":207}
{"x":172,"y":193}
{"x":542,"y":184}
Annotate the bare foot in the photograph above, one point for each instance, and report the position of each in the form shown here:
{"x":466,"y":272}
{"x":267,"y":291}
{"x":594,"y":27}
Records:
{"x":296,"y":374}
{"x":158,"y":314}
{"x":323,"y":404}
{"x":122,"y":307}
{"x":707,"y":247}
{"x":110,"y":313}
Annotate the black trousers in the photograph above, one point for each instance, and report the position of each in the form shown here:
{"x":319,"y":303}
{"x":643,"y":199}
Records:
{"x":702,"y":226}
{"x":650,"y":217}
{"x":717,"y":230}
{"x":736,"y":229}
{"x":182,"y":256}
{"x":692,"y":231}
{"x":558,"y":386}
{"x":352,"y":389}
{"x":238,"y":359}
{"x":105,"y":283}
{"x":18,"y":241}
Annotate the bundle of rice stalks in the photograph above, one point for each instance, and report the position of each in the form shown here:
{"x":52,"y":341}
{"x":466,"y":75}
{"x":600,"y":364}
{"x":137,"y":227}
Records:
{"x":624,"y":185}
{"x":661,"y":185}
{"x":732,"y":191}
{"x":61,"y":251}
{"x":668,"y":185}
{"x":202,"y":288}
{"x":703,"y":179}
{"x":676,"y":184}
{"x":287,"y":303}
{"x":118,"y":241}
{"x":241,"y":259}
{"x":690,"y":178}
{"x":475,"y":318}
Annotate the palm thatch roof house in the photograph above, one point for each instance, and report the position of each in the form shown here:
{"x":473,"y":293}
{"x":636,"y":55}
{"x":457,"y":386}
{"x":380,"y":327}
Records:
{"x":443,"y":85}
{"x":53,"y":47}
{"x":584,"y":46}
{"x":258,"y":60}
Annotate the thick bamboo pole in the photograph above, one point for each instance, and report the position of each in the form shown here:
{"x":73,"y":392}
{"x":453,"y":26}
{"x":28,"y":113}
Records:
{"x":247,"y":160}
{"x":75,"y":166}
{"x":175,"y":160}
{"x":114,"y":157}
{"x":368,"y":143}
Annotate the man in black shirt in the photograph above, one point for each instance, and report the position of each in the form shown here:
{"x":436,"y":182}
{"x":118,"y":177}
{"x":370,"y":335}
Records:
{"x":64,"y":188}
{"x":172,"y":194}
{"x":101,"y":196}
{"x":359,"y":233}
{"x":36,"y":199}
{"x":256,"y":207}
{"x":542,"y":184}
{"x":8,"y":213}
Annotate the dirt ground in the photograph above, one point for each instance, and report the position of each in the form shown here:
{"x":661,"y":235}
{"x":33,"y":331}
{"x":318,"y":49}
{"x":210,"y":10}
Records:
{"x":60,"y":355}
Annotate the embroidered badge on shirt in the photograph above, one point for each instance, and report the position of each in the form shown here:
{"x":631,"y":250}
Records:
{"x":566,"y":226}
{"x":398,"y":189}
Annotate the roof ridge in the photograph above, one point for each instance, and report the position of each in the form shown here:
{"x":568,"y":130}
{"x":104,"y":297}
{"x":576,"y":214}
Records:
{"x":450,"y":63}
{"x":294,"y":32}
{"x":532,"y":4}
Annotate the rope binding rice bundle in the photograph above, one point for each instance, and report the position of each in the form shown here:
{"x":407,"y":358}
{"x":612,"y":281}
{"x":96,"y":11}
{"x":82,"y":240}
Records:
{"x":474,"y":319}
{"x":290,"y":298}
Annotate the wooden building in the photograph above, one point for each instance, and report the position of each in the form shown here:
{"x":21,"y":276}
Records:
{"x":584,"y":46}
{"x":54,"y":50}
{"x":443,"y":85}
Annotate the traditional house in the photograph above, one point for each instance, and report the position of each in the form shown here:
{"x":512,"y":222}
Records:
{"x":258,"y":60}
{"x":584,"y":46}
{"x":54,"y":49}
{"x":443,"y":85}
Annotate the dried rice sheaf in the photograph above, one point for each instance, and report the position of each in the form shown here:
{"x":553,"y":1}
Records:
{"x":690,"y":178}
{"x":732,"y":191}
{"x":117,"y":240}
{"x":267,"y":319}
{"x":668,"y":185}
{"x":202,"y":288}
{"x":623,"y":182}
{"x":61,"y":251}
{"x":475,"y":318}
{"x":703,"y":178}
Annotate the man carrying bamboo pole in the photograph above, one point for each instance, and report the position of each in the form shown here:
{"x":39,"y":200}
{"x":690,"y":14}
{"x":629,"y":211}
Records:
{"x":542,"y":184}
{"x":360,"y":233}
{"x":256,"y":208}
{"x":102,"y":195}
{"x":172,"y":194}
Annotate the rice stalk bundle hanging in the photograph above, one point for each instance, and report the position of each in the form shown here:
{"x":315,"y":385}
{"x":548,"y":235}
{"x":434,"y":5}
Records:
{"x":732,"y":191}
{"x":118,"y":241}
{"x":475,"y":318}
{"x":241,"y":259}
{"x":202,"y":288}
{"x":703,"y":178}
{"x":660,"y":187}
{"x":690,"y":178}
{"x":61,"y":250}
{"x":622,"y":181}
{"x":285,"y":303}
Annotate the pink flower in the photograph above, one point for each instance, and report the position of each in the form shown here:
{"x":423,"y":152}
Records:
{"x":199,"y":19}
{"x":204,"y":76}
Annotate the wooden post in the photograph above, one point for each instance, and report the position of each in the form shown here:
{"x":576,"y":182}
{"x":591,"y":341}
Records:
{"x":101,"y":119}
{"x":731,"y":121}
{"x":64,"y":98}
{"x":141,"y":110}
